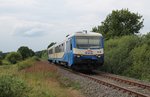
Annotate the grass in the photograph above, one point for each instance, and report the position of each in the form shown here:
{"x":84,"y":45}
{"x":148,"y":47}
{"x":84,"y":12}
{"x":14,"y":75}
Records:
{"x":27,"y":63}
{"x":44,"y":83}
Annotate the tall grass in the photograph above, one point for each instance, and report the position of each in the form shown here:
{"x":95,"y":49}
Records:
{"x":27,"y":63}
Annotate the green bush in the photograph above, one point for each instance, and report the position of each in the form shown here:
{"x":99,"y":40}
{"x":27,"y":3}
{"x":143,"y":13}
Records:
{"x":11,"y":86}
{"x":117,"y":53}
{"x":128,"y":56}
{"x":35,"y":58}
{"x":14,"y":57}
{"x":140,"y":67}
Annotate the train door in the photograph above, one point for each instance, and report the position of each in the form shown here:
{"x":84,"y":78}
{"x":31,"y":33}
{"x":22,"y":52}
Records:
{"x":69,"y":51}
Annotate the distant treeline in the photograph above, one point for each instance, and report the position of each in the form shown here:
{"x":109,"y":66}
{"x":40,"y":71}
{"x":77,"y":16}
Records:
{"x":42,"y":54}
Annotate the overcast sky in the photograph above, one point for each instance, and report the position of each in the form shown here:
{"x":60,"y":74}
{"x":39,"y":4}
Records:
{"x":36,"y":23}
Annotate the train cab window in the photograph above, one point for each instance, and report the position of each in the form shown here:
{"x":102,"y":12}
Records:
{"x":88,"y":42}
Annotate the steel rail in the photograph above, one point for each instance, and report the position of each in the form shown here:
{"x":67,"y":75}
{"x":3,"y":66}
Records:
{"x":125,"y":90}
{"x":130,"y":82}
{"x":119,"y":88}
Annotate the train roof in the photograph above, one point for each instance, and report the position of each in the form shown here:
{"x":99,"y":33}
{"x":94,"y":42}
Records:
{"x":85,"y":34}
{"x":80,"y":33}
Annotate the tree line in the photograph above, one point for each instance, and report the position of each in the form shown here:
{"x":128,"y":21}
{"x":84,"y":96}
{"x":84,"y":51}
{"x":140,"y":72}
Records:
{"x":13,"y":57}
{"x":21,"y":54}
{"x":126,"y":51}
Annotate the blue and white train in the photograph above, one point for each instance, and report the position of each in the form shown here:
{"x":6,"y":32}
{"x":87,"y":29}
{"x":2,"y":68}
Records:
{"x":82,"y":51}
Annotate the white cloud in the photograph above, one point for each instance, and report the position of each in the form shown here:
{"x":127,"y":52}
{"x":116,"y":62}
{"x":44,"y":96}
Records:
{"x":44,"y":21}
{"x":24,"y":28}
{"x":10,"y":3}
{"x":31,"y":29}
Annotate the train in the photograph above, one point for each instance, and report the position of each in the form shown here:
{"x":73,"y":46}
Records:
{"x":81,"y":51}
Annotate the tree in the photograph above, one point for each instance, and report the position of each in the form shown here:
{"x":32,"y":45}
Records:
{"x":51,"y":44}
{"x":14,"y":57}
{"x":25,"y":52}
{"x":119,"y":23}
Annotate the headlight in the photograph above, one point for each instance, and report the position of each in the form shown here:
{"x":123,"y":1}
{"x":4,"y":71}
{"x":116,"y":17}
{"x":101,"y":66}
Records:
{"x":78,"y":56}
{"x":98,"y":56}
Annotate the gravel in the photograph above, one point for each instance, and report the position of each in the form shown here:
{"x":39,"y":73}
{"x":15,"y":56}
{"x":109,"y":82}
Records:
{"x":90,"y":88}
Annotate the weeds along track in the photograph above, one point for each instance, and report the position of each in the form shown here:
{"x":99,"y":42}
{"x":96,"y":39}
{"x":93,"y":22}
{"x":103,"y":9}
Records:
{"x":132,"y":88}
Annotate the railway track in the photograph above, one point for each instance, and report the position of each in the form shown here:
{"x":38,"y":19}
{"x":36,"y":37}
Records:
{"x":125,"y":81}
{"x":132,"y":88}
{"x":116,"y":86}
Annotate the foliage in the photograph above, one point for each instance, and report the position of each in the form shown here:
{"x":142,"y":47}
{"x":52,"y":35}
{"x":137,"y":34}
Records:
{"x":5,"y":62}
{"x":51,"y":44}
{"x":11,"y":86}
{"x":27,"y":63}
{"x":42,"y":54}
{"x":140,"y":67}
{"x":25,"y":52}
{"x":129,"y":56}
{"x":146,"y":39}
{"x":1,"y":54}
{"x":13,"y":57}
{"x":35,"y":58}
{"x":119,"y":23}
{"x":0,"y":62}
{"x":117,"y":52}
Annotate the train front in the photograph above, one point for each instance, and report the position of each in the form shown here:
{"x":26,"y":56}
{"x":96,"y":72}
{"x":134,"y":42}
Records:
{"x":89,"y":51}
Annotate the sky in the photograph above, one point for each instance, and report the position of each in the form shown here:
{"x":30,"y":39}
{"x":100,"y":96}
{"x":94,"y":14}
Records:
{"x":37,"y":23}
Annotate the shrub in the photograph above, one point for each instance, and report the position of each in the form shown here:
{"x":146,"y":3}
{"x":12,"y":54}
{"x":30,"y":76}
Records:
{"x":11,"y":86}
{"x":140,"y":67}
{"x":35,"y":58}
{"x":14,"y":57}
{"x":117,"y":53}
{"x":129,"y":56}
